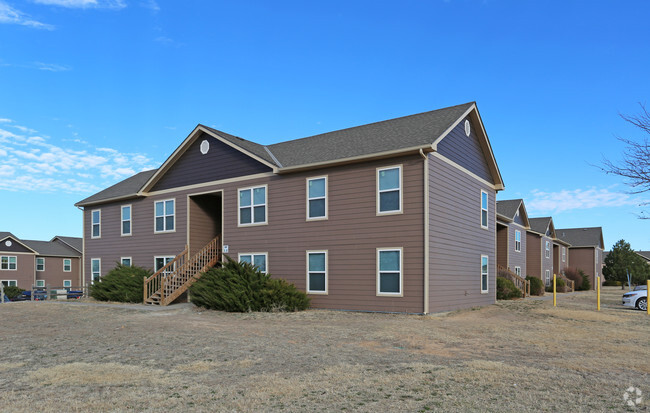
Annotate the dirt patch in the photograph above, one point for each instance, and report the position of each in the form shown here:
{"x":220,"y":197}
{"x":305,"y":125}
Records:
{"x":513,"y":356}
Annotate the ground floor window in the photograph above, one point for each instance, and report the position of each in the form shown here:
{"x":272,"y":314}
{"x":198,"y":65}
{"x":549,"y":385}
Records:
{"x":258,"y":259}
{"x":40,"y":283}
{"x":389,"y":271}
{"x":518,"y":271}
{"x":160,"y":262}
{"x":67,"y":283}
{"x":317,"y":272}
{"x":484,"y":274}
{"x":95,"y":268}
{"x":126,"y":261}
{"x":9,"y":283}
{"x":547,"y":278}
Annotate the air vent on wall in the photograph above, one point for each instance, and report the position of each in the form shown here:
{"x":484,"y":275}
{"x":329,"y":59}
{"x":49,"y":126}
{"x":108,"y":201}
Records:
{"x":205,"y":147}
{"x":467,"y":127}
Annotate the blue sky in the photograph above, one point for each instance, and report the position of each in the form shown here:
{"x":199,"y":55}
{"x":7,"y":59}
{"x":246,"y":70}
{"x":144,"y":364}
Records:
{"x":92,"y":91}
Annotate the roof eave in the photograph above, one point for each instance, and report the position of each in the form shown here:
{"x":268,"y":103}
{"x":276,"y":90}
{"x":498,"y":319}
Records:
{"x":107,"y":200}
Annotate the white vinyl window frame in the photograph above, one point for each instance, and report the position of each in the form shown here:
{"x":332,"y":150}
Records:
{"x":67,"y":263}
{"x":563,"y":254}
{"x":400,"y":272}
{"x":380,"y":191}
{"x":128,"y":220}
{"x":485,"y":208}
{"x":310,"y":198}
{"x":9,"y":283}
{"x":547,"y":249}
{"x":547,"y":278}
{"x":517,"y":240}
{"x":164,"y":216}
{"x":130,"y":261}
{"x":40,"y":264}
{"x":166,"y":259}
{"x":40,"y":283}
{"x":9,"y":263}
{"x":316,"y":272}
{"x":95,"y":273}
{"x":67,"y":283}
{"x":485,"y":274}
{"x":252,"y":256}
{"x":518,"y":271}
{"x":253,"y":205}
{"x":96,"y":223}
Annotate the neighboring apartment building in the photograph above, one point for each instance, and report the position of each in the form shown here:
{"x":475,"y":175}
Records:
{"x":398,"y":215}
{"x":512,"y":224}
{"x":27,"y":263}
{"x":539,"y":249}
{"x":586,"y":250}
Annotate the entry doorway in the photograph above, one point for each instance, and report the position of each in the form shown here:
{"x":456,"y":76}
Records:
{"x":205,"y":219}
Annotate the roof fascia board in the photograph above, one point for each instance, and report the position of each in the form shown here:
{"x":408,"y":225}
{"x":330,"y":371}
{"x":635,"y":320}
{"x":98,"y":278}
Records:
{"x":525,"y":214}
{"x":453,"y":125}
{"x":467,"y":171}
{"x":18,"y":241}
{"x":239,"y":148}
{"x":109,"y":200}
{"x":504,"y":218}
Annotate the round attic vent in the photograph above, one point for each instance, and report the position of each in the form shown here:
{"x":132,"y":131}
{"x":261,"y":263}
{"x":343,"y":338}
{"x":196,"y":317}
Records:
{"x":8,"y":243}
{"x":205,"y":147}
{"x":467,"y":127}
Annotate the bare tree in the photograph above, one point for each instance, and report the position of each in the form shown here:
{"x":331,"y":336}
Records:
{"x":635,"y":166}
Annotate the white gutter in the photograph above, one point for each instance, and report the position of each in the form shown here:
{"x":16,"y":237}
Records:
{"x":426,"y":231}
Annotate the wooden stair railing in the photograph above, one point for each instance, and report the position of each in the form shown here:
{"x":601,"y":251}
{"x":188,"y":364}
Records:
{"x":172,"y":280}
{"x":570,"y":284}
{"x":520,"y":282}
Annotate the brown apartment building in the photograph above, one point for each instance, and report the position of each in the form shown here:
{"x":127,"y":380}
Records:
{"x":586,"y":250}
{"x":396,"y":216}
{"x":512,"y":224}
{"x":539,"y":249}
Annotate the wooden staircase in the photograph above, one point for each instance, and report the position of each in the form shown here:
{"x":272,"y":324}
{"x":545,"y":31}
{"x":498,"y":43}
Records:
{"x":520,"y":282}
{"x":172,"y":280}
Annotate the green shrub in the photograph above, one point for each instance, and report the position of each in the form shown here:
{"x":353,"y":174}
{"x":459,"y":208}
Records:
{"x":122,"y":283}
{"x":611,"y":282}
{"x":506,"y":289}
{"x":536,"y":285}
{"x":13,"y":292}
{"x":242,"y":287}
{"x":560,"y":285}
{"x":586,"y":284}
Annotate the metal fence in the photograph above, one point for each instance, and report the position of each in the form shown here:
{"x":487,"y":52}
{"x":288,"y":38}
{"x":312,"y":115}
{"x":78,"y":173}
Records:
{"x":48,"y":292}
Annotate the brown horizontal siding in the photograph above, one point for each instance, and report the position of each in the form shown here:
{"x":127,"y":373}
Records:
{"x":457,"y":240}
{"x":54,"y":274}
{"x":502,"y":245}
{"x":517,"y":258}
{"x":465,"y":150}
{"x":583,"y":259}
{"x":533,"y":255}
{"x":24,"y":273}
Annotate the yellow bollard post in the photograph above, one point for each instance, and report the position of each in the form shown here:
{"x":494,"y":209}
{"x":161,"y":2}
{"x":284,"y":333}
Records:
{"x":554,"y":292}
{"x":598,"y":291}
{"x":647,"y":307}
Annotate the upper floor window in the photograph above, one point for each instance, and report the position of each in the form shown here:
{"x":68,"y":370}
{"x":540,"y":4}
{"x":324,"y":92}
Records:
{"x":67,"y":265}
{"x":95,"y":268}
{"x":317,"y":198}
{"x":484,"y":274}
{"x":389,"y":271}
{"x":126,"y":220}
{"x":40,"y":264}
{"x":389,"y":190}
{"x":547,"y":252}
{"x":96,"y":217}
{"x":165,"y":214}
{"x":563,"y":254}
{"x":8,"y":263}
{"x":317,"y":272}
{"x":484,"y":209}
{"x":252,"y":205}
{"x":517,"y":240}
{"x":257,"y":259}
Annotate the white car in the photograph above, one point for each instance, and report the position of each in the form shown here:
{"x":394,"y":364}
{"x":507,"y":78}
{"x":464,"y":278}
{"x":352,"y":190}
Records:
{"x":637,"y":298}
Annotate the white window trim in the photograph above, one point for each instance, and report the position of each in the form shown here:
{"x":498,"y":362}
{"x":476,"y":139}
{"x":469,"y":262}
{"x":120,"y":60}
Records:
{"x":167,"y":258}
{"x":308,"y":199}
{"x":252,"y":206}
{"x":252,"y":254}
{"x":547,"y":278}
{"x":164,"y":216}
{"x":487,"y":210}
{"x":517,"y":232}
{"x":316,"y":292}
{"x":92,"y":275}
{"x":92,"y":224}
{"x":9,"y":263}
{"x":563,"y":254}
{"x":518,"y":271}
{"x":487,"y":275}
{"x":130,"y":220}
{"x":401,"y":272}
{"x":400,"y":189}
{"x":547,"y":250}
{"x":40,"y":284}
{"x":40,"y":258}
{"x":67,"y":281}
{"x":64,"y":260}
{"x":130,"y":260}
{"x":9,"y":283}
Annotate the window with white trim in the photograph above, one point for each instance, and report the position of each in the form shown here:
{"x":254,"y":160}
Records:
{"x":547,"y":278}
{"x":252,"y":205}
{"x":258,"y":259}
{"x":40,"y":264}
{"x":9,"y":283}
{"x":517,"y":240}
{"x":389,"y":271}
{"x":165,"y":213}
{"x":96,"y":223}
{"x":547,"y":252}
{"x":8,"y":262}
{"x":67,"y":265}
{"x":126,"y":261}
{"x":563,"y":254}
{"x":484,"y":274}
{"x":67,"y":283}
{"x":317,"y":272}
{"x":161,"y":262}
{"x":40,"y":283}
{"x":126,"y":220}
{"x":95,"y":269}
{"x":518,"y":271}
{"x":484,"y":209}
{"x":389,"y":190}
{"x":317,"y":198}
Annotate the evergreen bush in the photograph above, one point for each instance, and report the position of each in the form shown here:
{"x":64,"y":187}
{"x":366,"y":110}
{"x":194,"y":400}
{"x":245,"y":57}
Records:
{"x":122,"y":283}
{"x":586,"y":284}
{"x":560,"y":285}
{"x":536,"y":285}
{"x":506,"y":289}
{"x":573,"y":273}
{"x":12,"y":292}
{"x":242,"y":287}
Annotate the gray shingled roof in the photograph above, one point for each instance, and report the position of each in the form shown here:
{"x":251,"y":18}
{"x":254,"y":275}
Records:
{"x":508,"y":208}
{"x":252,"y":147}
{"x":4,"y":235}
{"x":644,"y":254}
{"x":74,"y":242}
{"x":128,"y":187}
{"x":581,"y":237}
{"x":540,"y":225}
{"x":49,"y":248}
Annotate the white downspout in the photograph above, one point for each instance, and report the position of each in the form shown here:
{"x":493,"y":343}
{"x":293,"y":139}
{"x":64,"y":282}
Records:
{"x":426,"y":231}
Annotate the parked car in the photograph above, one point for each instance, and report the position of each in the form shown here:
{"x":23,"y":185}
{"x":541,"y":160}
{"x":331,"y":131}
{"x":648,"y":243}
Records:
{"x":637,"y":298}
{"x":27,"y":296}
{"x":75,"y":294}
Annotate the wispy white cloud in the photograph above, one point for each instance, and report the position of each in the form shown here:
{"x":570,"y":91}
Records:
{"x":9,"y":15}
{"x":577,"y":199}
{"x":31,"y":162}
{"x":151,"y":5}
{"x":84,"y":4}
{"x":51,"y":67}
{"x":5,"y":120}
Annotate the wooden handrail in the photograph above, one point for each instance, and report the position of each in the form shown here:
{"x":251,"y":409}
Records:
{"x":520,"y":282}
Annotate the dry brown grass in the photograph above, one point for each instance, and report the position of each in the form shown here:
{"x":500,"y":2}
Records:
{"x":522,"y":355}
